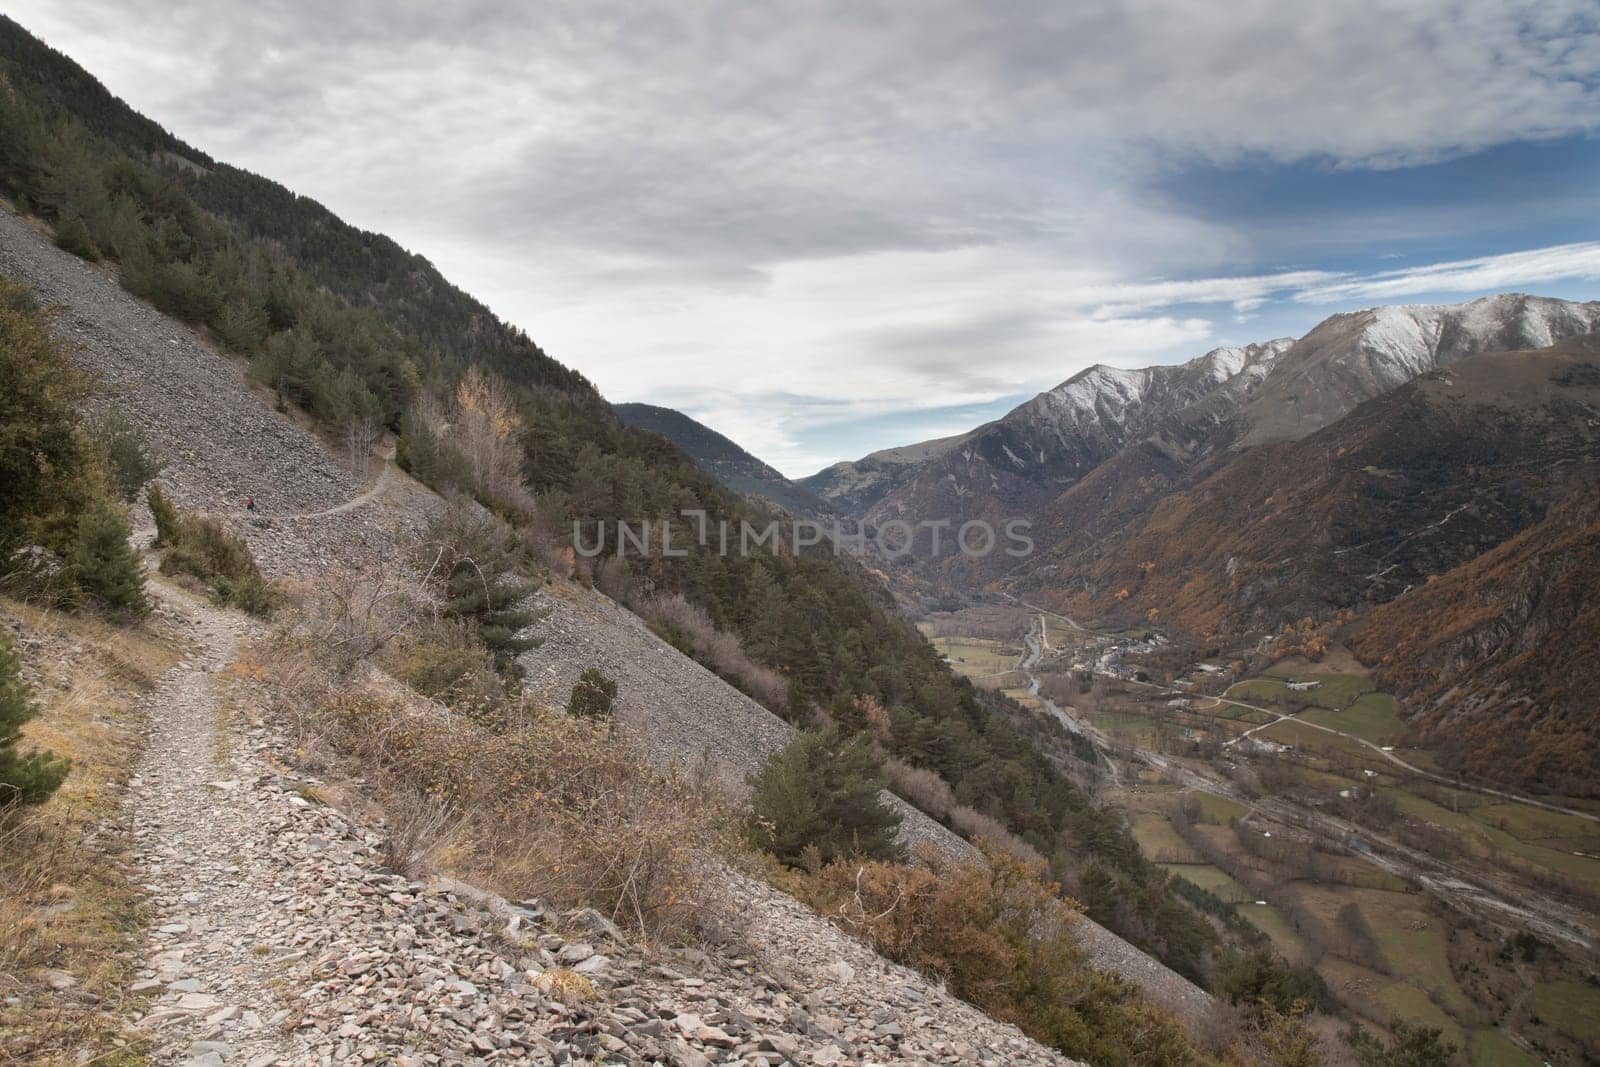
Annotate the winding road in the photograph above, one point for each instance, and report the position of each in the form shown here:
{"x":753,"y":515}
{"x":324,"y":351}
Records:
{"x":1279,"y":716}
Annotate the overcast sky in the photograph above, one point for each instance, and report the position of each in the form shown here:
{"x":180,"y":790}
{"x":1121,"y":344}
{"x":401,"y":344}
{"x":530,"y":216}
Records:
{"x":825,"y":228}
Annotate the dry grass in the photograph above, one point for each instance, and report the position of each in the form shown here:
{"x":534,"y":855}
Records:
{"x":528,"y":801}
{"x":68,"y":912}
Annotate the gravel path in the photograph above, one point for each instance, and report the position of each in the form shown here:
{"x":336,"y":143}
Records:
{"x":278,"y":938}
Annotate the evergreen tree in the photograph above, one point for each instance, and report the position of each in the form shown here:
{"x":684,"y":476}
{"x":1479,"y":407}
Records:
{"x":45,"y":468}
{"x":1413,"y":1045}
{"x":126,"y":451}
{"x":24,"y":779}
{"x":593,"y":695}
{"x":165,"y":515}
{"x":102,"y":562}
{"x":72,"y":235}
{"x":481,"y":560}
{"x":821,"y":792}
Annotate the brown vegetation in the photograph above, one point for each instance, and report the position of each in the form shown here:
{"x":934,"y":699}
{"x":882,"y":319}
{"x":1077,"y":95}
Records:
{"x":1000,"y":935}
{"x":68,"y":913}
{"x":518,"y":797}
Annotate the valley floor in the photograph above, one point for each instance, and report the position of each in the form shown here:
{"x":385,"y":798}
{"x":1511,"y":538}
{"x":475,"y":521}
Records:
{"x":1297,"y":800}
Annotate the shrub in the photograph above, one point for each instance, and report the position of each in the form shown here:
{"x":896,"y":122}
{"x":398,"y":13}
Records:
{"x":1000,"y":936}
{"x":1260,"y":981}
{"x":819,"y":794}
{"x":544,"y":805}
{"x":165,"y":515}
{"x":444,"y":660}
{"x":126,"y":451}
{"x":202,"y":549}
{"x":73,"y":236}
{"x":103,"y":564}
{"x":690,"y":629}
{"x":1413,"y":1045}
{"x":924,"y":788}
{"x":24,"y":779}
{"x":593,"y":695}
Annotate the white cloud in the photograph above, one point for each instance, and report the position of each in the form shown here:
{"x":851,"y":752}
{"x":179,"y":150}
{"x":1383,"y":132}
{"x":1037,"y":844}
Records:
{"x":1510,"y":270}
{"x":828,"y":210}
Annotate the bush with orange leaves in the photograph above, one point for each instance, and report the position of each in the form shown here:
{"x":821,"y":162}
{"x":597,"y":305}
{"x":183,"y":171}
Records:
{"x":999,"y":934}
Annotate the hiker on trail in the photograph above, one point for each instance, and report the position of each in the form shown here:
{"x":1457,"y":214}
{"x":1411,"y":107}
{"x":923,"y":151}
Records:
{"x":250,"y":504}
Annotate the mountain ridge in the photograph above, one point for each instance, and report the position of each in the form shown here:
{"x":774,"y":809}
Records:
{"x":722,"y":457}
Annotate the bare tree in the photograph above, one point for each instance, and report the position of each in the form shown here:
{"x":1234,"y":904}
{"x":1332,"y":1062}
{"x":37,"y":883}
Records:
{"x":486,"y":428}
{"x":359,"y":436}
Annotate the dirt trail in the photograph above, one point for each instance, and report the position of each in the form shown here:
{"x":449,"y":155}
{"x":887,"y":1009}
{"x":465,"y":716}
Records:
{"x":380,"y":485}
{"x":206,"y":854}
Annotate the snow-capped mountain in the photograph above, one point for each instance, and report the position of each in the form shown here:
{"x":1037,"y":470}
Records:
{"x":1354,"y":357}
{"x":1100,"y":449}
{"x":1043,"y":446}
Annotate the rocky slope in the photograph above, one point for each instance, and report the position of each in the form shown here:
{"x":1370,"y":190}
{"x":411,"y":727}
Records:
{"x":722,"y":458}
{"x":281,"y":938}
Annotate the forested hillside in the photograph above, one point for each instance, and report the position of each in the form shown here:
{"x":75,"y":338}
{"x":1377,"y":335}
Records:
{"x":367,"y":337}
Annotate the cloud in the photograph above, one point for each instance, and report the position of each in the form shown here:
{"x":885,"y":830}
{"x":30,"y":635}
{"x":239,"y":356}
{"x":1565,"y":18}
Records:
{"x":1507,"y":271}
{"x":810,"y":214}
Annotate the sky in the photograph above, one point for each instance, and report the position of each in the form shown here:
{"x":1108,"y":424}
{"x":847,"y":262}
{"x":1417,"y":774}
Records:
{"x":825,"y":228}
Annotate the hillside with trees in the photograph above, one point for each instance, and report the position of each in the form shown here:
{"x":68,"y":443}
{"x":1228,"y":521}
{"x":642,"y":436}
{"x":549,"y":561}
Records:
{"x":365,"y":338}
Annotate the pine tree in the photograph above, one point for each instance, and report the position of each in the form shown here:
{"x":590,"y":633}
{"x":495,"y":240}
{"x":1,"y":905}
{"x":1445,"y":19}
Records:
{"x":480,"y":560}
{"x":72,"y":235}
{"x":28,"y":779}
{"x":103,"y":563}
{"x":821,"y":791}
{"x":165,"y":516}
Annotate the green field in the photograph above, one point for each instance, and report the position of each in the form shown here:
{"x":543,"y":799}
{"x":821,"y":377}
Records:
{"x":1411,"y":1003}
{"x":1218,"y":810}
{"x":1139,"y":729}
{"x":1159,"y":841}
{"x":1301,"y":735}
{"x":1559,"y":860}
{"x":977,"y":659}
{"x":1535,"y":824}
{"x":1373,"y":717}
{"x":1213,"y":879}
{"x":1333,"y":691}
{"x":1572,"y":1006}
{"x":1416,"y":948}
{"x":1261,"y":691}
{"x":1492,"y":1048}
{"x":1270,"y":921}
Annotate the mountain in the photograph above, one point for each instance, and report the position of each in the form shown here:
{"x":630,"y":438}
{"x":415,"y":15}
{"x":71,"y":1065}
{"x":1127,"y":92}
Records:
{"x":1098,"y":451}
{"x":1406,"y":487}
{"x":1017,"y":462}
{"x":359,"y":338}
{"x":721,"y":458}
{"x":1495,"y":658}
{"x":1354,"y":357}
